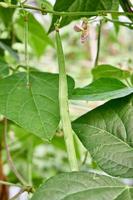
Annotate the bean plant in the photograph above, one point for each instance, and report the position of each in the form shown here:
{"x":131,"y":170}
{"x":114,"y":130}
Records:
{"x":38,"y":102}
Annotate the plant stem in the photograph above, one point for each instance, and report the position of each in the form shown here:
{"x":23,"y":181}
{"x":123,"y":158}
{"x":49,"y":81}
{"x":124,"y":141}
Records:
{"x":29,"y":160}
{"x":9,"y":184}
{"x":64,"y":108}
{"x":26,"y":44}
{"x":59,"y":13}
{"x":98,"y":43}
{"x":10,"y":161}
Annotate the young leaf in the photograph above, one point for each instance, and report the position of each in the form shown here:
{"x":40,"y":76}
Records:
{"x":104,"y":71}
{"x":83,"y":186}
{"x":37,"y":37}
{"x":102,"y":89}
{"x":107,"y":133}
{"x":76,"y":5}
{"x":34,"y":107}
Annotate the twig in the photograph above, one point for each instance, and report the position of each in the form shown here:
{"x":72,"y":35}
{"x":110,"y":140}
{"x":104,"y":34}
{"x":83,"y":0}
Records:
{"x":10,"y":161}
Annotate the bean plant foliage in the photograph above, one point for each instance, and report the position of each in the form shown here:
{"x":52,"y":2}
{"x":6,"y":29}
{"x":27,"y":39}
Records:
{"x":35,"y":104}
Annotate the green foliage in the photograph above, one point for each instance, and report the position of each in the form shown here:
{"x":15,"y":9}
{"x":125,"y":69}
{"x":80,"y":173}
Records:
{"x":76,"y":5}
{"x":7,"y":48}
{"x":4,"y":18}
{"x":127,"y":7}
{"x":34,"y":107}
{"x":83,"y":186}
{"x":107,"y":133}
{"x":102,"y":89}
{"x":4,"y":68}
{"x":37,"y":36}
{"x":104,"y":71}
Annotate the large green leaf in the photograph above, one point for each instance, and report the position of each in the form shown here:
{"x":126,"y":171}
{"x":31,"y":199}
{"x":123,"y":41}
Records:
{"x":107,"y":132}
{"x":104,"y":71}
{"x":102,"y":89}
{"x":83,"y":186}
{"x":37,"y":37}
{"x":34,"y":108}
{"x":80,"y":5}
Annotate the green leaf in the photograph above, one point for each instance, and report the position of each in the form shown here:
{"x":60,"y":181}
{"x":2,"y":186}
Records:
{"x":80,"y":5}
{"x":37,"y":37}
{"x":104,"y":71}
{"x":4,"y":17}
{"x":102,"y":89}
{"x":35,"y":108}
{"x":83,"y":186}
{"x":107,"y":133}
{"x":4,"y":68}
{"x":7,"y":48}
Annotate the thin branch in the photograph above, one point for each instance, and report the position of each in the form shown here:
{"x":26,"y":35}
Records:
{"x":9,"y":158}
{"x":58,"y":13}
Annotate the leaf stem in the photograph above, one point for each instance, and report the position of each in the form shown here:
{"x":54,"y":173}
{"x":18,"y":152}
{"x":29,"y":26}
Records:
{"x":9,"y":158}
{"x":59,"y":13}
{"x":64,"y":108}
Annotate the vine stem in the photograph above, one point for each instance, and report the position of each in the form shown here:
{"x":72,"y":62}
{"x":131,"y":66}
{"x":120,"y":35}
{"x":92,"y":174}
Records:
{"x":98,"y":43}
{"x":64,"y":107}
{"x":10,"y":161}
{"x":58,"y":13}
